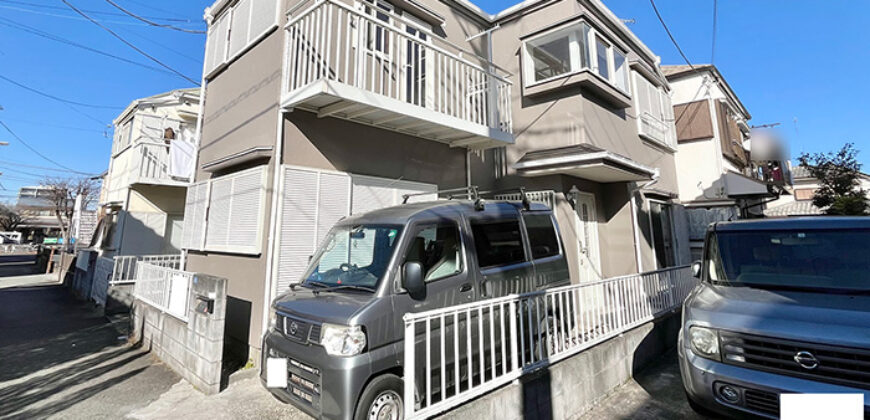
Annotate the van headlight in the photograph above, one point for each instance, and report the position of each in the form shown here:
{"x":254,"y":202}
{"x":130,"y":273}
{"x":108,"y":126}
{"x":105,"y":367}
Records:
{"x":339,"y":340}
{"x":273,"y":318}
{"x":704,"y":342}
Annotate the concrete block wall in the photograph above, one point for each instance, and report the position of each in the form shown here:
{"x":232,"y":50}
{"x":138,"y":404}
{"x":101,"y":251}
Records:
{"x":193,"y":348}
{"x":572,"y":386}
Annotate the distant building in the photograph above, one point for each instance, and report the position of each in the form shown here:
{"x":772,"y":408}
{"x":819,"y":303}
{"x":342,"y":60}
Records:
{"x":801,"y":202}
{"x":38,"y":212}
{"x":151,"y":165}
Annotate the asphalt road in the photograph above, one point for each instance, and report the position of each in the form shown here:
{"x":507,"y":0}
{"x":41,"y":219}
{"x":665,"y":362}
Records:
{"x":61,"y":358}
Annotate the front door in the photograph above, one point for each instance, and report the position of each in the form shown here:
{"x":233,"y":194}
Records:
{"x":587,"y":235}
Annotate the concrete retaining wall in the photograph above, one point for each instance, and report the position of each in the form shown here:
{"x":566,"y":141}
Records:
{"x":194,"y":348}
{"x":572,"y":386}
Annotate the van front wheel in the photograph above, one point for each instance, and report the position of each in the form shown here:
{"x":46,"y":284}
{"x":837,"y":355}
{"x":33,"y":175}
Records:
{"x":382,"y":400}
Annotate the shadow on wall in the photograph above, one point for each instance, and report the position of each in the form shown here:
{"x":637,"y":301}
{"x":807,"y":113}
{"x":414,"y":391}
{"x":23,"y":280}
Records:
{"x":236,"y":332}
{"x":140,"y":237}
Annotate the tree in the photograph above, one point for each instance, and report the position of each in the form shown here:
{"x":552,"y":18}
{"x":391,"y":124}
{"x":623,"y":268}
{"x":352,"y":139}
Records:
{"x":61,"y":193}
{"x":10,"y":218}
{"x":840,"y":191}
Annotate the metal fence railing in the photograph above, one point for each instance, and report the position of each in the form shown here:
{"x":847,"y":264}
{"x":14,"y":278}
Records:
{"x":18,"y":249}
{"x":124,"y":271}
{"x":454,"y":354}
{"x":165,"y":288}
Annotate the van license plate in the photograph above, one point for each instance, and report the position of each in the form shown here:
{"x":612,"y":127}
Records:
{"x":276,"y":372}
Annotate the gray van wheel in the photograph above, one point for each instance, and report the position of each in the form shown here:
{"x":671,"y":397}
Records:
{"x":382,"y":399}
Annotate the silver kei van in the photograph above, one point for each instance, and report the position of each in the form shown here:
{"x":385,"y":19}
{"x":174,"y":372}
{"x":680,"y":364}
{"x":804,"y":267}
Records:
{"x":339,"y":332}
{"x":783,"y":307}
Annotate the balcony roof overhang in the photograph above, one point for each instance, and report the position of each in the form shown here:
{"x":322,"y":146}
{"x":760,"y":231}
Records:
{"x":741,"y":186}
{"x":330,"y":98}
{"x":584,"y":161}
{"x":245,"y":156}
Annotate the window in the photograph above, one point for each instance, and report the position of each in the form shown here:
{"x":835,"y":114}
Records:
{"x":542,"y":235}
{"x":555,"y":54}
{"x":229,"y":210}
{"x":655,"y":114}
{"x":572,"y":49}
{"x":601,"y":63}
{"x":498,"y":243}
{"x":237,"y":28}
{"x":438,"y":249}
{"x":804,"y":194}
{"x":661,"y":220}
{"x":620,"y":73}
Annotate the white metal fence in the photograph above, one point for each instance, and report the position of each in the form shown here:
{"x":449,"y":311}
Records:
{"x":389,"y":55}
{"x":165,"y":288}
{"x":455,"y":354}
{"x":124,"y":270}
{"x":17,"y":249}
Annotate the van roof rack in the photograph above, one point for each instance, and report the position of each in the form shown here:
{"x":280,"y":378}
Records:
{"x":472,"y":192}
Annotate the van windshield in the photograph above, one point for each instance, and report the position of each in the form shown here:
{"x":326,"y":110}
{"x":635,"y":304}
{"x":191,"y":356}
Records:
{"x":823,"y":260}
{"x":352,"y":256}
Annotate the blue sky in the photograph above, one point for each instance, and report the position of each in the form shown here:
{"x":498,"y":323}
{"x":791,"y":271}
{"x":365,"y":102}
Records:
{"x":771,"y":52}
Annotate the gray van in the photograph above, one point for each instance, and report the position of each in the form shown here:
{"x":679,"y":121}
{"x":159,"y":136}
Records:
{"x":783,"y":307}
{"x":341,"y":330}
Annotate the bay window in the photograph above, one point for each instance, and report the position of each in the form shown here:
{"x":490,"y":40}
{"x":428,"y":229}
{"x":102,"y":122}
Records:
{"x":571,"y":49}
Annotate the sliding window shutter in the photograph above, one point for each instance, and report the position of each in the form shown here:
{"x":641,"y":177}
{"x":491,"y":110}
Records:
{"x":370,"y":193}
{"x":334,"y":202}
{"x":236,"y":212}
{"x":298,"y":226}
{"x":194,"y":216}
{"x":240,"y":26}
{"x":263,"y":17}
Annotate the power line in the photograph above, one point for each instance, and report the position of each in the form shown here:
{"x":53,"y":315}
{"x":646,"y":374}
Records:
{"x":152,"y":23}
{"x":120,"y":38}
{"x":94,"y":12}
{"x":37,"y":32}
{"x":63,"y":16}
{"x":715,"y":19}
{"x":48,"y":95}
{"x":653,"y":3}
{"x":48,"y":159}
{"x":150,"y":6}
{"x":24,"y":165}
{"x":166,"y":47}
{"x":65,"y":127}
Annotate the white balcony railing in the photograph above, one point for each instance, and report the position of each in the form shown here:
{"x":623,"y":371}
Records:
{"x":397,"y":60}
{"x":656,"y":130}
{"x":144,"y":162}
{"x":457,"y":353}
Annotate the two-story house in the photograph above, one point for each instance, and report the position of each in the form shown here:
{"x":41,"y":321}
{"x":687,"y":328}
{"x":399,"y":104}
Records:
{"x":315,"y":110}
{"x":719,"y":179}
{"x":151,"y":164}
{"x":800,"y":202}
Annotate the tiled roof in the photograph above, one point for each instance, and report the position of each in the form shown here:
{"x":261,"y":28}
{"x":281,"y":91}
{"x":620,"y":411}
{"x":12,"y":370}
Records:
{"x":671,"y":70}
{"x":795,"y":208}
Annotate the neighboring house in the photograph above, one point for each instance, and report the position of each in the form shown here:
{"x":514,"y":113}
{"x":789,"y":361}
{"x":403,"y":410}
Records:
{"x":37,"y":210}
{"x":718,"y":179}
{"x":800,"y":203}
{"x":143,"y":191}
{"x":317,"y":110}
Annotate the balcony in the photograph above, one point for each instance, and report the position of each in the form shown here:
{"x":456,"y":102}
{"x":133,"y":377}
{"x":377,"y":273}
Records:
{"x":384,"y":70}
{"x":144,"y":162}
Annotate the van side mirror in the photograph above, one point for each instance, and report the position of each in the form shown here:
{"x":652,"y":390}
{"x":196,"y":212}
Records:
{"x":412,"y":280}
{"x":696,"y":269}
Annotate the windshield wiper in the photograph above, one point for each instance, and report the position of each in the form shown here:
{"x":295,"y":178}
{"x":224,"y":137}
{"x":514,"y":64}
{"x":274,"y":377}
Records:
{"x":319,"y":284}
{"x":348,"y":286}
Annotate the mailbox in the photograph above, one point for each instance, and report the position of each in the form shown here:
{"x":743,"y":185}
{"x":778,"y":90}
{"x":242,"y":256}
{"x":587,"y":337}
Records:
{"x":204,"y":305}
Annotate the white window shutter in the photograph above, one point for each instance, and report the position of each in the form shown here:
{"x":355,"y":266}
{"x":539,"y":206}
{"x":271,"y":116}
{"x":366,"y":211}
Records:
{"x":194,"y":216}
{"x":298,"y":224}
{"x":236,"y":212}
{"x":219,"y":213}
{"x":246,"y":211}
{"x":240,"y":26}
{"x":334,"y":202}
{"x":370,"y":193}
{"x":263,"y":16}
